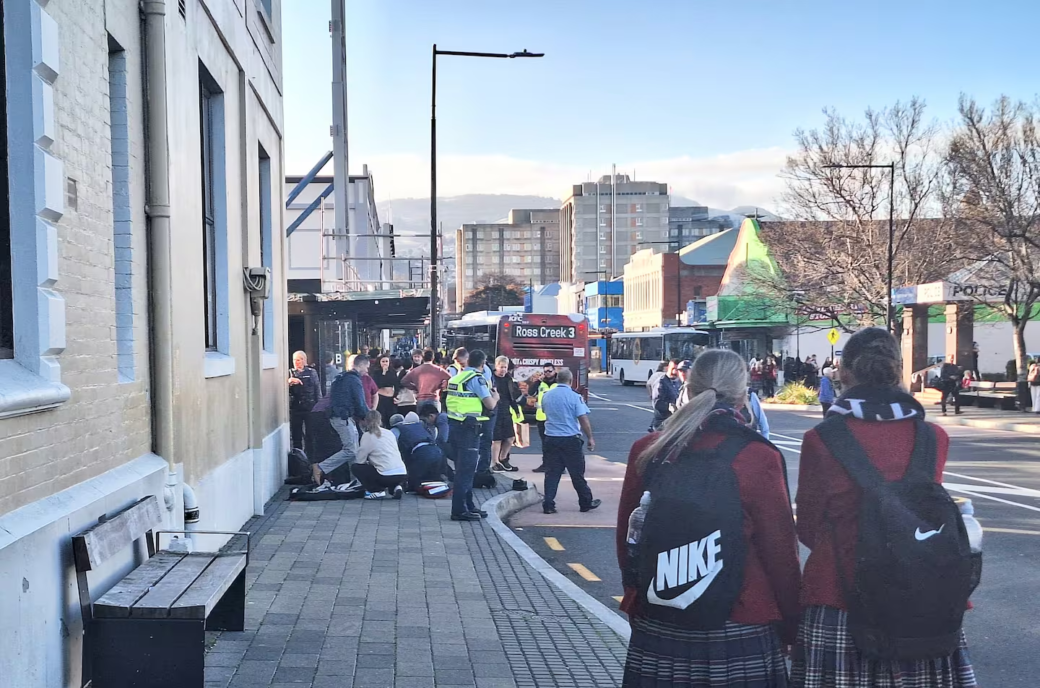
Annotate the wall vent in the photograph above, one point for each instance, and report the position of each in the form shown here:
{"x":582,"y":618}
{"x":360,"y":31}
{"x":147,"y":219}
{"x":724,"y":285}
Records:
{"x":182,"y":5}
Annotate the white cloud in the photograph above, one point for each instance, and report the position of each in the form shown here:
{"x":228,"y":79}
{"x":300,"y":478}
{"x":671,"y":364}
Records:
{"x":723,"y":181}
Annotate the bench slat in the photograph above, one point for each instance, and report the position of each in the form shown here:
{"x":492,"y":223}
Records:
{"x":116,"y":603}
{"x":96,"y":544}
{"x":156,"y":604}
{"x":206,"y":591}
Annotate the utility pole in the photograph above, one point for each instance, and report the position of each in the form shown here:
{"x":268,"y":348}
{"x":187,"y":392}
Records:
{"x":341,"y":170}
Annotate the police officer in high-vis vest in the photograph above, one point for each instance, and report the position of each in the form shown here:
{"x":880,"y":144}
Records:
{"x":547,"y":383}
{"x":469,"y":399}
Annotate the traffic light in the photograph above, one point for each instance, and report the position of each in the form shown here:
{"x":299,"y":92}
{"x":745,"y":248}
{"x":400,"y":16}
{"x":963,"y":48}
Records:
{"x":393,"y":246}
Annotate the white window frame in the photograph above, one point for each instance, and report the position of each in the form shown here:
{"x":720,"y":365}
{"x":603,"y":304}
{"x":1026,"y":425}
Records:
{"x":31,"y":380}
{"x":269,"y":352}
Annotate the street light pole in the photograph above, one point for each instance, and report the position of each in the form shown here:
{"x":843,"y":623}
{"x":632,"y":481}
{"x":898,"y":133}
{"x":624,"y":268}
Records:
{"x":890,"y":311}
{"x":434,"y":267}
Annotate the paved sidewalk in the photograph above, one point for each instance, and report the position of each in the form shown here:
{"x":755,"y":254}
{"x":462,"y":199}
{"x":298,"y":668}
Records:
{"x":392,"y":594}
{"x":989,"y":419}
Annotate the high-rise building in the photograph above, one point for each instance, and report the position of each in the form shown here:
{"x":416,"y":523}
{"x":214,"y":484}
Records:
{"x":689,"y":223}
{"x":602,"y":224}
{"x":526,"y":247}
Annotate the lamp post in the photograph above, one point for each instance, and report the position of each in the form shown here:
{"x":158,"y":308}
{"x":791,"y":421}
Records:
{"x":891,"y":167}
{"x":434,"y":334}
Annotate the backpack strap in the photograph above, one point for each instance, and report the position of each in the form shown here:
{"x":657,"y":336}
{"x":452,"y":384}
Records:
{"x":849,"y":453}
{"x":925,"y":454}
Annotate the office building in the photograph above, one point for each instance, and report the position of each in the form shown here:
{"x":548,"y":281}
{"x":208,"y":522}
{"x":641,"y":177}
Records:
{"x":525,"y":247}
{"x":689,"y":223}
{"x":603,"y":224}
{"x":143,"y":149}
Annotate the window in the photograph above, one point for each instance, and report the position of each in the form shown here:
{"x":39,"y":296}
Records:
{"x":214,"y":225}
{"x":122,"y":225}
{"x":6,"y":283}
{"x":266,"y":247}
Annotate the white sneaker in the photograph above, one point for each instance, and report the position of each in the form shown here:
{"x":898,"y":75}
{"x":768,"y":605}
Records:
{"x":398,"y":492}
{"x":347,"y":487}
{"x":324,"y":487}
{"x":376,"y":495}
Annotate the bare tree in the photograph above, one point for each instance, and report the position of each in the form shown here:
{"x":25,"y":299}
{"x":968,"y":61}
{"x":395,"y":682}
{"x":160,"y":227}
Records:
{"x":836,"y":257}
{"x":994,"y":171}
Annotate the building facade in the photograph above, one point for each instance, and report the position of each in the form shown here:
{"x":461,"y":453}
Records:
{"x":319,"y":256}
{"x":525,"y":247}
{"x":662,"y":288}
{"x":689,"y":223}
{"x":604,"y":305}
{"x":602,"y":224}
{"x":130,"y":365}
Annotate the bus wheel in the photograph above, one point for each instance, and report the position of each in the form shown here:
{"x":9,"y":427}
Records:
{"x":621,"y":378}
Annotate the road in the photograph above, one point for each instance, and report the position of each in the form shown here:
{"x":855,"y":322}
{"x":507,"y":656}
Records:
{"x":999,"y":471}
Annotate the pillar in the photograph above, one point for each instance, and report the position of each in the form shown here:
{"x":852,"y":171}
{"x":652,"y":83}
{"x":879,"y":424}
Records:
{"x":960,"y":331}
{"x":915,"y":340}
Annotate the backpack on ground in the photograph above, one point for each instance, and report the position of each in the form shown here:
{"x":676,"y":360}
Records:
{"x":299,"y":468}
{"x":691,"y":554}
{"x":914,"y":569}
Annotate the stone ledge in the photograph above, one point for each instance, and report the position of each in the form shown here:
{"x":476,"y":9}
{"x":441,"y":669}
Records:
{"x":23,"y":392}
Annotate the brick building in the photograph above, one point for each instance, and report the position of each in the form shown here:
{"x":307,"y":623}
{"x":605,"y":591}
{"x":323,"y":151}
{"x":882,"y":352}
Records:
{"x":660,"y":286}
{"x":129,"y":365}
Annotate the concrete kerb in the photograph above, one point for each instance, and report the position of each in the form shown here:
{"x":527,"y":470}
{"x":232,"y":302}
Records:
{"x":791,"y":407}
{"x":499,"y":508}
{"x":982,"y":424}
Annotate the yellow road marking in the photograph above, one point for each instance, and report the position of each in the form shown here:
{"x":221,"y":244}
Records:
{"x":1013,"y":531}
{"x":584,"y":572}
{"x":617,"y":598}
{"x":553,"y":544}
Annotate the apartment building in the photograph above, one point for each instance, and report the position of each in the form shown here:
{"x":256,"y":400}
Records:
{"x":603,"y":223}
{"x":689,"y":223}
{"x":526,"y":246}
{"x":142,"y":150}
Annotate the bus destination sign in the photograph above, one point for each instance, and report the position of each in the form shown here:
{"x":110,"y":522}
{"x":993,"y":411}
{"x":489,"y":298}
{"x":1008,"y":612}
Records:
{"x":525,"y":331}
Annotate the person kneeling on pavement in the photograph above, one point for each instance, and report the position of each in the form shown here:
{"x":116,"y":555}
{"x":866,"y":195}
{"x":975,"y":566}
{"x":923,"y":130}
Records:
{"x":417,"y":440}
{"x":379,"y":468}
{"x":566,"y":418}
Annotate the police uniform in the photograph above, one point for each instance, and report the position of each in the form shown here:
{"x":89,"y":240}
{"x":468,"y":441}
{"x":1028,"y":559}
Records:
{"x":465,"y":406}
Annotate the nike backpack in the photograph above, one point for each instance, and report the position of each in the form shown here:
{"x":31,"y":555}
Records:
{"x":914,"y":569}
{"x":691,"y":554}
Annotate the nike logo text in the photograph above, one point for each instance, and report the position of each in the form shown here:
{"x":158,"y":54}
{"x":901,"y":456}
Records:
{"x":924,"y":536}
{"x":696,"y":562}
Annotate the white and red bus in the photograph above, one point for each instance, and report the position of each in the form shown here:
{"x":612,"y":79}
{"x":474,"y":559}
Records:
{"x":530,"y":340}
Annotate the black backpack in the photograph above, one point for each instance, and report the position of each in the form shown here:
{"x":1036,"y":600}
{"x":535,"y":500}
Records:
{"x":914,"y":569}
{"x":691,"y":555}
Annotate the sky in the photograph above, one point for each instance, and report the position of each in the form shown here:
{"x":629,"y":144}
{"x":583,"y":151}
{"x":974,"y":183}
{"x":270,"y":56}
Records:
{"x":702,"y":95}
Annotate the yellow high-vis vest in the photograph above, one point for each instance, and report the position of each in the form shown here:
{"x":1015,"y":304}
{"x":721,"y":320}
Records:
{"x":460,"y":401}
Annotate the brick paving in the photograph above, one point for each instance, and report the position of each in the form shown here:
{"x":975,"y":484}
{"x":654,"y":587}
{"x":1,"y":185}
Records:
{"x":393,"y":594}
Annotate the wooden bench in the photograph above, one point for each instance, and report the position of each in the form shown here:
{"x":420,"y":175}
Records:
{"x":149,"y":629}
{"x":993,"y":394}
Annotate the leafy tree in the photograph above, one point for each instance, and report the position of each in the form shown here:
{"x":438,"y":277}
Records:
{"x":494,"y":291}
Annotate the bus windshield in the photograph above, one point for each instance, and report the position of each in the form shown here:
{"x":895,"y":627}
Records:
{"x":684,"y":345}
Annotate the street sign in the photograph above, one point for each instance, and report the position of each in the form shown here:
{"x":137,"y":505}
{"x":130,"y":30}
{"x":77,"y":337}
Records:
{"x":832,"y":336}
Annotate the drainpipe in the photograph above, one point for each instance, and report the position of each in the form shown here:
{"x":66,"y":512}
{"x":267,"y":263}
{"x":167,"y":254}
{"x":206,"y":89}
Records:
{"x":159,"y":235}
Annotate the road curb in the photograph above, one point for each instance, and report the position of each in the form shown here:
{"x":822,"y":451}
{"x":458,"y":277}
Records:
{"x":791,"y":407}
{"x":1028,"y":428}
{"x":501,"y":507}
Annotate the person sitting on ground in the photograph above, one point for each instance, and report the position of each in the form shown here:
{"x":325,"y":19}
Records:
{"x":379,"y":466}
{"x":418,"y":442}
{"x":396,"y":420}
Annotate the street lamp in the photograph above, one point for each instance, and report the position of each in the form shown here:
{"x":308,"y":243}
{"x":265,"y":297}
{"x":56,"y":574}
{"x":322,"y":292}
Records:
{"x":891,"y":167}
{"x":433,"y":173}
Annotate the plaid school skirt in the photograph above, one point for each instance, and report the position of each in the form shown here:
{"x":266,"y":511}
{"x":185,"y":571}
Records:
{"x":664,"y":656}
{"x":825,"y":657}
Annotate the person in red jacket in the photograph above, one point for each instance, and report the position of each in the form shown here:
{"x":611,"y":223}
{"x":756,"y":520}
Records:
{"x":748,"y":651}
{"x":882,"y":418}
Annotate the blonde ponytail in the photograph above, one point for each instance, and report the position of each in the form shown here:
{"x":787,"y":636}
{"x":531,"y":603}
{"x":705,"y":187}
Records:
{"x":718,"y":375}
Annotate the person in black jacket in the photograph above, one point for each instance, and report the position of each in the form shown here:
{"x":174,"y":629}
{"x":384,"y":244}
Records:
{"x":950,"y":379}
{"x":304,"y":392}
{"x":346,"y":410}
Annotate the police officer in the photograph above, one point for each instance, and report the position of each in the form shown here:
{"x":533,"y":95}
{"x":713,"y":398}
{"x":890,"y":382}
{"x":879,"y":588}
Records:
{"x":547,"y":383}
{"x":567,"y":418}
{"x":469,"y":398}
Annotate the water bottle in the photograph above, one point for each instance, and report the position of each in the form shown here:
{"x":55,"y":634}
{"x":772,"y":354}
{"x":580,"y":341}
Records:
{"x":630,"y":576}
{"x":973,"y":527}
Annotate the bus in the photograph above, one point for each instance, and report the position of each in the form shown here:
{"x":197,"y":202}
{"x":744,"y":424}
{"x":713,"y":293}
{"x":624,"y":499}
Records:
{"x":530,"y":340}
{"x":634,"y":356}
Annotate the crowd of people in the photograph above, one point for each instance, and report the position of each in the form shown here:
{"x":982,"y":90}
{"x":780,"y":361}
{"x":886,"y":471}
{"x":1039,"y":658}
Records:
{"x":394,"y":424}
